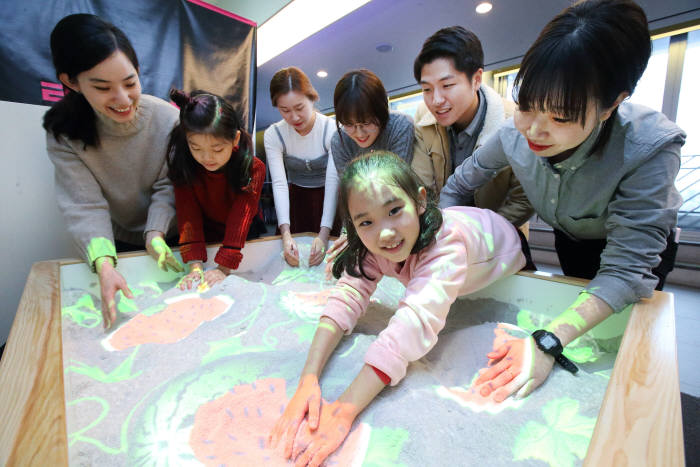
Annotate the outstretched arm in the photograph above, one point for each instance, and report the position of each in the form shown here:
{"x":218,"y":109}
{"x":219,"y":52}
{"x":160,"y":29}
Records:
{"x":521,"y":366}
{"x":307,"y":398}
{"x":473,"y":173}
{"x":312,"y":447}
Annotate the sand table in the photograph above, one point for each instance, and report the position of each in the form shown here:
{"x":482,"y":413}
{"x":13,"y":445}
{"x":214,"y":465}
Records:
{"x":199,"y":379}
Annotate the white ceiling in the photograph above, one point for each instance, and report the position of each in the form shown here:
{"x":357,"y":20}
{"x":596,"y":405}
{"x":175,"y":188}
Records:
{"x":505,"y":33}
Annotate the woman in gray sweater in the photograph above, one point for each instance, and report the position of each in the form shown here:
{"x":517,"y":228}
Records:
{"x":107,"y":143}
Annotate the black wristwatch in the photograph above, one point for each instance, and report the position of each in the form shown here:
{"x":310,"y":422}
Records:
{"x":551,"y":345}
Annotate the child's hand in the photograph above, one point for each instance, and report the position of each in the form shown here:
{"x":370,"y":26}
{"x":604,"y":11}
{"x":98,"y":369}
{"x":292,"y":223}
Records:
{"x":519,"y":368}
{"x":312,"y":447}
{"x":318,"y":251}
{"x":307,"y":398}
{"x":196,"y":275}
{"x":335,"y":249}
{"x":110,"y":282}
{"x":291,"y":251}
{"x":161,"y":252}
{"x":216,"y":275}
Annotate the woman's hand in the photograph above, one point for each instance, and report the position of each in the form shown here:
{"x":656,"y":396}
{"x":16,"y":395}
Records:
{"x":161,"y":252}
{"x":318,"y":247}
{"x":519,"y":368}
{"x":110,"y":282}
{"x":216,"y":275}
{"x":196,"y":275}
{"x":313,"y":446}
{"x":306,"y":399}
{"x":335,"y":249}
{"x":291,"y":251}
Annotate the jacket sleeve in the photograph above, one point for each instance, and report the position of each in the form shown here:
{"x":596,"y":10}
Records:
{"x":80,"y":199}
{"x":413,"y":330}
{"x":240,"y":216}
{"x":350,"y":296}
{"x":642,"y":214}
{"x":474,"y":172}
{"x":190,"y":226}
{"x":516,"y":207}
{"x":422,"y":163}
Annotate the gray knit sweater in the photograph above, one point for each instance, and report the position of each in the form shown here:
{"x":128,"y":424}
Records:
{"x":119,"y":189}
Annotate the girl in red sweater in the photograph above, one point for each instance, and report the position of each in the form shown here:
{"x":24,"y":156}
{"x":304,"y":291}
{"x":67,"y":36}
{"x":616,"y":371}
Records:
{"x":217,"y":184}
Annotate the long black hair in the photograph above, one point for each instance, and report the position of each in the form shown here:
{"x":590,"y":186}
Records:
{"x":592,"y":50}
{"x":78,"y":43}
{"x":201,"y":112}
{"x":390,"y":170}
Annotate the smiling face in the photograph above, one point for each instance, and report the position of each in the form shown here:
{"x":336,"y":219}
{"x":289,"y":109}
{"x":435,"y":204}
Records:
{"x":298,"y":111}
{"x":550,"y":135}
{"x":211,"y":151}
{"x":385,"y":217}
{"x":111,"y":87}
{"x":448,"y":93}
{"x":364,"y":134}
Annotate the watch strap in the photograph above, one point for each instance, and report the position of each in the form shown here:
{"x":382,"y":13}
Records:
{"x":566,"y":363}
{"x":556,"y":351}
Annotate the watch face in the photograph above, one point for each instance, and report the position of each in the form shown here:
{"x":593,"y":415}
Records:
{"x":548,"y":341}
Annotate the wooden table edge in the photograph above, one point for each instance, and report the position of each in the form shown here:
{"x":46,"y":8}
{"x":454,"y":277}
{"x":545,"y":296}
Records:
{"x":33,"y":431}
{"x":651,"y":323}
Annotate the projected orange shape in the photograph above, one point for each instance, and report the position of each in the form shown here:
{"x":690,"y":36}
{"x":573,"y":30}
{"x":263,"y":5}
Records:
{"x":233,"y":429}
{"x":178,"y":320}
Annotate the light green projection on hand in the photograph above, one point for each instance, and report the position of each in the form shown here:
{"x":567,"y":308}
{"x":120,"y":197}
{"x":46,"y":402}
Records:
{"x":166,"y":259}
{"x":583,"y":349}
{"x":563,"y":438}
{"x":570,"y":316}
{"x":120,"y":373}
{"x":98,"y":247}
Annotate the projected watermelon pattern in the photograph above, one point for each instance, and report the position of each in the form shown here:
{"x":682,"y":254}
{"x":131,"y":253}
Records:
{"x":192,"y":378}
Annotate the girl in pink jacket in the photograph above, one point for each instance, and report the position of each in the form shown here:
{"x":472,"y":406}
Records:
{"x":394,"y":228}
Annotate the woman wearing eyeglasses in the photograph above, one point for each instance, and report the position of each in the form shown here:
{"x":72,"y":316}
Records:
{"x":364,"y":122}
{"x":365,"y":125}
{"x":304,"y":179}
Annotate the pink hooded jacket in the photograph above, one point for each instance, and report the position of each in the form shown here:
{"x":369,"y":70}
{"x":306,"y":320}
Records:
{"x":473,"y":248}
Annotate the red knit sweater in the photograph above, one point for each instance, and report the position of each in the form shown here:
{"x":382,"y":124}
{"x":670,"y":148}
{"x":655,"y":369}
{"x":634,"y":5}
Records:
{"x":210,"y":211}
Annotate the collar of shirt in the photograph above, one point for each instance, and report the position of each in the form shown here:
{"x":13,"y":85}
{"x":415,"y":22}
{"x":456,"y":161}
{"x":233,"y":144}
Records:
{"x":580,"y":155}
{"x":476,"y":123}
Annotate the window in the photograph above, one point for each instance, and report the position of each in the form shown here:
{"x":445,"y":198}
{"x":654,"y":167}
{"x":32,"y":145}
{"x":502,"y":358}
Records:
{"x":406,"y":104}
{"x":649,"y":92}
{"x":688,"y":181}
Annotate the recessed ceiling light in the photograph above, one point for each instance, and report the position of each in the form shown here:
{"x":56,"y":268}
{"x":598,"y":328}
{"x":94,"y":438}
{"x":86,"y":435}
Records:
{"x":384,"y":47}
{"x":322,"y":73}
{"x":298,"y":20}
{"x":483,"y":7}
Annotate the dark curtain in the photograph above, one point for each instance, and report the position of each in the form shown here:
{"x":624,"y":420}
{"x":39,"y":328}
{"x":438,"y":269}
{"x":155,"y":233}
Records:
{"x":179,"y":43}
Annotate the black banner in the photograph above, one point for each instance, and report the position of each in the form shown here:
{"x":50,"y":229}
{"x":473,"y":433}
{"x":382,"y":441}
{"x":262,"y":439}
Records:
{"x":187,"y":44}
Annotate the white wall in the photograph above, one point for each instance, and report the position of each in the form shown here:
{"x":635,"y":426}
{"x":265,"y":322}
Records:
{"x":32,"y":228}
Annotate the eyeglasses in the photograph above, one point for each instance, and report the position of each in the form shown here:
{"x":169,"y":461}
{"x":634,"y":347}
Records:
{"x":364,"y":127}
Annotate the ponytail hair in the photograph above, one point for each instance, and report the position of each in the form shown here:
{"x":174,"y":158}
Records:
{"x":201,"y":112}
{"x":78,"y":43}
